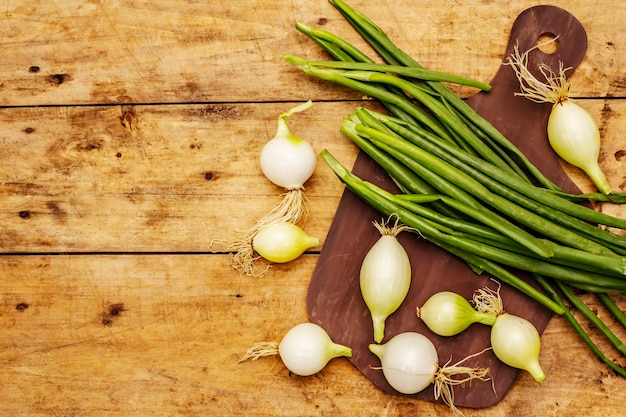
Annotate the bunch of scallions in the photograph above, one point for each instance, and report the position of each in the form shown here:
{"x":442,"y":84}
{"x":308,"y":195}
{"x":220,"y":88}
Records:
{"x":466,"y":188}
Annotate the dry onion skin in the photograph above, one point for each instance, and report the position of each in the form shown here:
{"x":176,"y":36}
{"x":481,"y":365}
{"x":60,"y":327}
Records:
{"x":410,"y":363}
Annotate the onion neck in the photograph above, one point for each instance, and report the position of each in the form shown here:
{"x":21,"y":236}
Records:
{"x":598,"y":178}
{"x":379,"y":327}
{"x":534,"y":369}
{"x":336,"y":350}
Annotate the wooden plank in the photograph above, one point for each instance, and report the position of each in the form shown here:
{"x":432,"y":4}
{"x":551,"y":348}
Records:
{"x":156,"y":335}
{"x":168,"y":178}
{"x":78,"y":179}
{"x":79,"y":52}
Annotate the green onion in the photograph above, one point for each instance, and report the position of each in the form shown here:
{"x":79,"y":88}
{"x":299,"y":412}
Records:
{"x":412,"y":72}
{"x":394,"y":55}
{"x":491,"y":176}
{"x":549,"y":289}
{"x":374,"y":197}
{"x":418,"y":159}
{"x":464,"y":186}
{"x":592,"y":317}
{"x":612,"y":307}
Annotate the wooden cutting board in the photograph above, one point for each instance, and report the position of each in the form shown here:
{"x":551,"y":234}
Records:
{"x":334,"y":300}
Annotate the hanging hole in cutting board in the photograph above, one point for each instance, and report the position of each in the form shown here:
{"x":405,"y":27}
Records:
{"x":548,"y":43}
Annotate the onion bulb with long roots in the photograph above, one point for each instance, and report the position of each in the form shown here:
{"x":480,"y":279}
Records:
{"x":410,"y":363}
{"x":572,"y":132}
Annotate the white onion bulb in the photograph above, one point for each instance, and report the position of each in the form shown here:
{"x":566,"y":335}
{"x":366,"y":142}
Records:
{"x":282,"y":242}
{"x":305,"y":349}
{"x":287,"y":160}
{"x":385,"y":277}
{"x":409,"y":361}
{"x":575,"y":137}
{"x":447,"y":314}
{"x":572,"y":132}
{"x":410,"y":364}
{"x":515,"y":341}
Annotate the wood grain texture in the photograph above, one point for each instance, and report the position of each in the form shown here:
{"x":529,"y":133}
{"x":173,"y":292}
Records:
{"x":128,"y":138}
{"x":151,"y":178}
{"x":77,"y":52}
{"x":161,"y":335}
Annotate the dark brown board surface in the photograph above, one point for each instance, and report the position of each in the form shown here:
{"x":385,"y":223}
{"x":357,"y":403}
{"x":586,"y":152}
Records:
{"x":334,"y":300}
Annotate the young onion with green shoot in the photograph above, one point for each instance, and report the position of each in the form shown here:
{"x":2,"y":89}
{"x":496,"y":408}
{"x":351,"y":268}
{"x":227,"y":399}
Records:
{"x":385,"y":275}
{"x":305,"y":349}
{"x":514,"y":340}
{"x":572,"y":132}
{"x":287,"y":161}
{"x":410,"y":363}
{"x":447,"y":314}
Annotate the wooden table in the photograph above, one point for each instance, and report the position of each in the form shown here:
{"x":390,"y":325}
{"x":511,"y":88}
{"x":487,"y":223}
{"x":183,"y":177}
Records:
{"x":129,"y":135}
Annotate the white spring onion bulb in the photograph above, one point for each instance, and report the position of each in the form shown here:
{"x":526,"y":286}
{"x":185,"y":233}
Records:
{"x":287,"y":161}
{"x":572,"y":132}
{"x":385,"y":276}
{"x":447,"y":314}
{"x":514,"y":340}
{"x":305,"y":349}
{"x":410,"y":363}
{"x":282,"y":242}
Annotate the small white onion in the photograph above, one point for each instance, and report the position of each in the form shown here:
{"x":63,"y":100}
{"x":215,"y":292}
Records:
{"x":575,"y":137}
{"x":447,"y":314}
{"x":410,"y":364}
{"x":287,"y":160}
{"x":305,"y":349}
{"x":409,"y":361}
{"x":516,"y":342}
{"x":572,"y":132}
{"x":282,"y":242}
